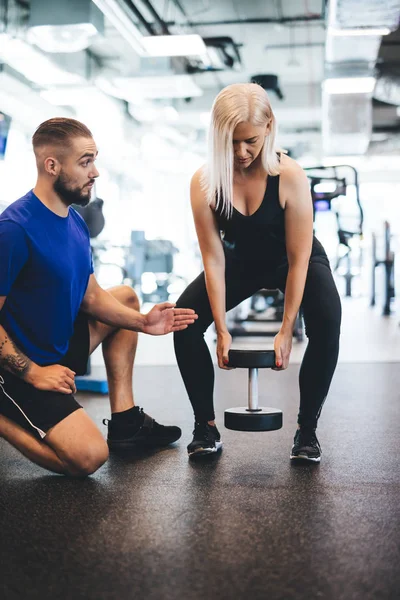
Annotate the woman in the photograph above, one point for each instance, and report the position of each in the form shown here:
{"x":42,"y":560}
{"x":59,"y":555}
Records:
{"x":260,"y":200}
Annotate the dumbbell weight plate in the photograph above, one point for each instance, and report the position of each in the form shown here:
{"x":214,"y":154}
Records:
{"x":251,"y":359}
{"x":242,"y":419}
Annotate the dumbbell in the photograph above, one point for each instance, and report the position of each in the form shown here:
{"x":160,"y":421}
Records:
{"x":252,"y":417}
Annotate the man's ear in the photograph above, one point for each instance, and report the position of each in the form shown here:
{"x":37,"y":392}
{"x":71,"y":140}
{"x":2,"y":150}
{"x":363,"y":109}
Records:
{"x":52,"y":166}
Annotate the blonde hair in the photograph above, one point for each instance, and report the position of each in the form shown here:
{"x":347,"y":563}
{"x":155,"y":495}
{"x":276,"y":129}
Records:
{"x":237,"y":103}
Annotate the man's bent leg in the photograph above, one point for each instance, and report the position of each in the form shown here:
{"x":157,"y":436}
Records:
{"x":30,"y":446}
{"x":119,"y":350}
{"x":129,"y":426}
{"x":78,"y":443}
{"x":72,"y":447}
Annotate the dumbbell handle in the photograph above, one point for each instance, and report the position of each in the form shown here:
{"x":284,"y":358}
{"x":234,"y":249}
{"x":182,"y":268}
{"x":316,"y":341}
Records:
{"x":253,"y":390}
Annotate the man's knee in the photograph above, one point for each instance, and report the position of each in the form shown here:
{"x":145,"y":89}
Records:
{"x":87,"y":460}
{"x":127,"y":296}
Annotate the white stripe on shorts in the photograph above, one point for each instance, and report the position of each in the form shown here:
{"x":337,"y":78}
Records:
{"x":40,"y":432}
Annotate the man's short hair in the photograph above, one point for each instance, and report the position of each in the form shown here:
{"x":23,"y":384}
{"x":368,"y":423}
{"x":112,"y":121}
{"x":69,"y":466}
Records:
{"x":59,"y":132}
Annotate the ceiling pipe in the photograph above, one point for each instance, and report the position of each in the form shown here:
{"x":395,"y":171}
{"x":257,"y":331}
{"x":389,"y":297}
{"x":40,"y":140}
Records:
{"x":254,"y":21}
{"x":179,"y":6}
{"x":148,"y":26}
{"x":161,"y":23}
{"x":297,"y":45}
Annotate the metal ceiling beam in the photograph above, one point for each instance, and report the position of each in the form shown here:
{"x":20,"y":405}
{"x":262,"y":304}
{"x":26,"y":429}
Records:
{"x":148,"y":26}
{"x":154,"y":13}
{"x":179,"y":6}
{"x":290,"y":46}
{"x":261,"y":20}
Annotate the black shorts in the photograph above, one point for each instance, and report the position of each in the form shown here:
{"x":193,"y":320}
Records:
{"x":37,"y":410}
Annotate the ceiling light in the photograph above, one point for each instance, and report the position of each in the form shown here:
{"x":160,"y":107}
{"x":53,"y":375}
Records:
{"x":349,"y":85}
{"x":361,"y":31}
{"x":174,"y":45}
{"x":62,"y":38}
{"x":117,"y":16}
{"x":72,"y":95}
{"x":137,"y":89}
{"x":150,"y":113}
{"x":32,"y":64}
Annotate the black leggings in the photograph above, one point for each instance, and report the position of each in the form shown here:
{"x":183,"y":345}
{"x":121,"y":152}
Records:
{"x":322,"y":316}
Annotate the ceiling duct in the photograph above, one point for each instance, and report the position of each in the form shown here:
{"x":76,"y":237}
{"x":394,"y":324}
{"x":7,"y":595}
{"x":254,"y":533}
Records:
{"x":386,"y":146}
{"x":387,"y":89}
{"x":354,"y":33}
{"x":356,"y":14}
{"x":222,"y":55}
{"x":347,"y":123}
{"x":64,"y":26}
{"x":269,"y":83}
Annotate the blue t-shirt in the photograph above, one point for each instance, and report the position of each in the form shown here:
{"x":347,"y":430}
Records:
{"x":45,"y":265}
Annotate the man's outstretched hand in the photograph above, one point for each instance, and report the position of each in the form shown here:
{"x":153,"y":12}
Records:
{"x":164,"y":318}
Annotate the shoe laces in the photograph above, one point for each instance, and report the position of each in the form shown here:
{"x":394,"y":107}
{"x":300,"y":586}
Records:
{"x":201,"y":431}
{"x":141,"y":417}
{"x":307,"y":437}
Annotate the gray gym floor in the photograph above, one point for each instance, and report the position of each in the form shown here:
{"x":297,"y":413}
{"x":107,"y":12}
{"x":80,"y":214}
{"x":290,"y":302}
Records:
{"x":248,"y":525}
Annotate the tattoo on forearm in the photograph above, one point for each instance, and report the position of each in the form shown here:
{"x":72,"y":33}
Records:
{"x":17,"y":363}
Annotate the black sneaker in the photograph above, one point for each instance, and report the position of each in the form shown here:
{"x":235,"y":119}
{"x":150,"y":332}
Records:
{"x":206,"y":440}
{"x":306,"y":446}
{"x":146,"y":433}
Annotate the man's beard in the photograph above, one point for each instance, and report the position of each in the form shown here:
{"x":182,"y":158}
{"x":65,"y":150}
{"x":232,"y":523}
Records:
{"x":71,"y":195}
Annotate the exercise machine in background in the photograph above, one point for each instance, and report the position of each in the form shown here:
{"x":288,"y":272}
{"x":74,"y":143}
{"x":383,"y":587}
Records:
{"x":264,"y":308}
{"x":149,"y":266}
{"x":387,"y":262}
{"x":330,"y":191}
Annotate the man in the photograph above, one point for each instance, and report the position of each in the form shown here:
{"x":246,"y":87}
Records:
{"x":53,"y":314}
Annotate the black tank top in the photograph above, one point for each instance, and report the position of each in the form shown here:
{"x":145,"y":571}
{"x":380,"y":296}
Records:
{"x":261,"y":235}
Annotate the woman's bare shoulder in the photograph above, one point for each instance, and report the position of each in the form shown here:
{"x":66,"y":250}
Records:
{"x":198,"y":190}
{"x":289,"y":168}
{"x":292,"y":175}
{"x":198,"y":177}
